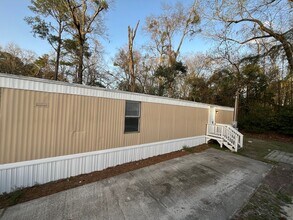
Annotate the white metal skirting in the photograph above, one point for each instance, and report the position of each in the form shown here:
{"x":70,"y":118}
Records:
{"x":28,"y":173}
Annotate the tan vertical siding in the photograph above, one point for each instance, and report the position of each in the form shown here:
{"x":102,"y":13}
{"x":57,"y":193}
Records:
{"x":224,"y":117}
{"x":201,"y":121}
{"x":26,"y":122}
{"x":191,"y":122}
{"x":179,"y":122}
{"x":150,"y":122}
{"x":37,"y":125}
{"x":166,"y":122}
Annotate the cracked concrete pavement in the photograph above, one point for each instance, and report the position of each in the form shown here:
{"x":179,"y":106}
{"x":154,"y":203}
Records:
{"x":280,"y":156}
{"x":209,"y":185}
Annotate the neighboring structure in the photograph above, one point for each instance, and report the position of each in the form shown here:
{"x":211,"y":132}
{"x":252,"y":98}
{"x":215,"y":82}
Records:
{"x":52,"y":130}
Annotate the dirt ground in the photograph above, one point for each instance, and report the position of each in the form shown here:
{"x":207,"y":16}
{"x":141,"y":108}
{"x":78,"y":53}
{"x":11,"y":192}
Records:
{"x":38,"y":191}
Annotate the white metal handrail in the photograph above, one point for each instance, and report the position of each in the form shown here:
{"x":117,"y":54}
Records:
{"x":227,"y":133}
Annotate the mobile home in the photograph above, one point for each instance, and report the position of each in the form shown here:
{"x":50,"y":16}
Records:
{"x":53,"y":130}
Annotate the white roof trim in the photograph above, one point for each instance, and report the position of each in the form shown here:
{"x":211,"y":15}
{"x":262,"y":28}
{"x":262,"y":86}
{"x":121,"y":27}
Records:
{"x":224,"y":108}
{"x":43,"y":85}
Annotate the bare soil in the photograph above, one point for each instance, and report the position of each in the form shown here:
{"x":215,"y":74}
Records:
{"x":27,"y":194}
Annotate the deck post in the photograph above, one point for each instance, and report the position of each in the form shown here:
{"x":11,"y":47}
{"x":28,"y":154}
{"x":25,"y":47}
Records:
{"x":236,"y":143}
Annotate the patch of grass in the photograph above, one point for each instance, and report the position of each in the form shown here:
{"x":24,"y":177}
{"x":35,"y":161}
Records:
{"x":217,"y":146}
{"x":258,"y":149}
{"x":284,"y":198}
{"x":187,"y":149}
{"x":196,"y":149}
{"x":14,"y":197}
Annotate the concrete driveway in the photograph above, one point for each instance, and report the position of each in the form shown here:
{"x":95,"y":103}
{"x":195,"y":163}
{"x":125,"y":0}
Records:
{"x":209,"y":185}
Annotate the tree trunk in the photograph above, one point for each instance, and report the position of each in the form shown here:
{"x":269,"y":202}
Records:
{"x":58,"y":51}
{"x":58,"y":55}
{"x":80,"y":61}
{"x":279,"y":92}
{"x":291,"y":92}
{"x":236,"y":109}
{"x":57,"y":62}
{"x":288,"y":52}
{"x":130,"y":60}
{"x":131,"y":36}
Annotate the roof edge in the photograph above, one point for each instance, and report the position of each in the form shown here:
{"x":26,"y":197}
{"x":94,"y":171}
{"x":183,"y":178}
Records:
{"x":45,"y":85}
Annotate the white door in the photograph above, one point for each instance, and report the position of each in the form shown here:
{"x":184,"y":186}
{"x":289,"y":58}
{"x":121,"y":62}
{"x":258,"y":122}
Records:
{"x":212,"y":117}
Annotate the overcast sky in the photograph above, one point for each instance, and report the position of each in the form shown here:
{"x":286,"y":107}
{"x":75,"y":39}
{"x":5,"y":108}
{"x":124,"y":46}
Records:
{"x":124,"y":12}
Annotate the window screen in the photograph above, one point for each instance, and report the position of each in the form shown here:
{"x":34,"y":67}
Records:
{"x":132,"y":116}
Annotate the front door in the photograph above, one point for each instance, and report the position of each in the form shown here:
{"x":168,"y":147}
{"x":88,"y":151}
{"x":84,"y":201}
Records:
{"x":212,"y":116}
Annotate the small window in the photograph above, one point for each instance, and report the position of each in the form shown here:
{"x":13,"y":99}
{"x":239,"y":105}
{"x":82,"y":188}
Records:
{"x":132,"y":116}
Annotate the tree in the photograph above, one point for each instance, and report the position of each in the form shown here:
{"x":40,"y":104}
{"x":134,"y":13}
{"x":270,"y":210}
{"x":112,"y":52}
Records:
{"x":46,"y":68}
{"x":47,"y":11}
{"x":223,"y":87}
{"x":255,"y":82}
{"x":167,"y":76}
{"x":94,"y":72}
{"x":164,"y":29}
{"x":11,"y":64}
{"x":124,"y":64}
{"x":83,"y":14}
{"x":127,"y":60}
{"x":199,"y":89}
{"x":250,"y":22}
{"x":14,"y":60}
{"x":122,"y":76}
{"x":71,"y":55}
{"x":131,"y":36}
{"x":199,"y":67}
{"x":168,"y":32}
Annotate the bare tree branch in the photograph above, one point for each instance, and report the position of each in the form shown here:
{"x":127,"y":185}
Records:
{"x":251,"y":39}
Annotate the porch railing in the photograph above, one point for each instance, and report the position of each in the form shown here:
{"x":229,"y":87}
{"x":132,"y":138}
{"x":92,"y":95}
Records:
{"x":230,"y":137}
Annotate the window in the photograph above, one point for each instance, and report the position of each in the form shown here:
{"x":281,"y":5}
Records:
{"x":132,"y":116}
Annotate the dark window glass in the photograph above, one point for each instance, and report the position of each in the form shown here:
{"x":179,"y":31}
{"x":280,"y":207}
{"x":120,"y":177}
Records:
{"x":131,"y":124}
{"x":132,"y":116}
